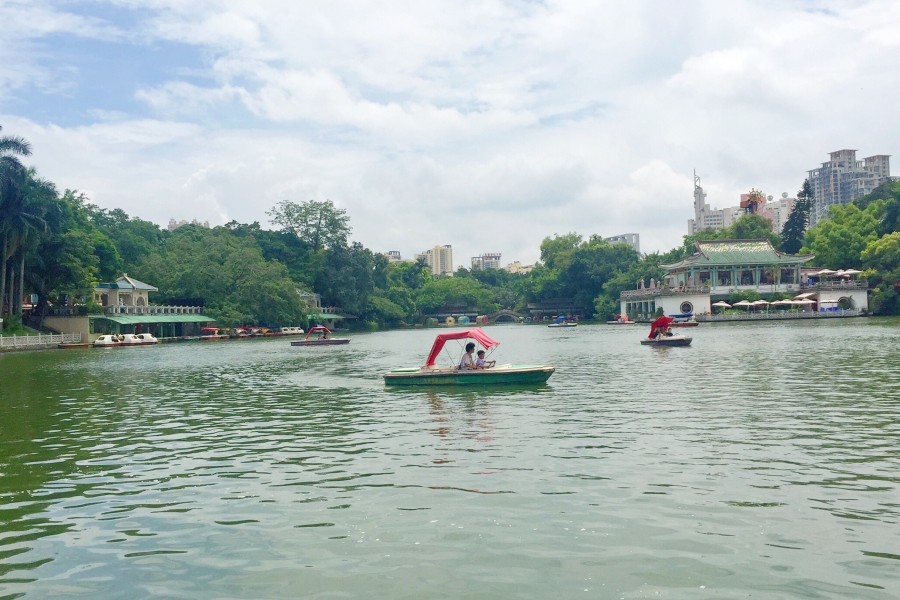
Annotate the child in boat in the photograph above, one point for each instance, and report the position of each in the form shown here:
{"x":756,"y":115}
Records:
{"x":480,"y":363}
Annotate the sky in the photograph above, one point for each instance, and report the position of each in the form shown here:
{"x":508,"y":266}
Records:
{"x":486,"y":125}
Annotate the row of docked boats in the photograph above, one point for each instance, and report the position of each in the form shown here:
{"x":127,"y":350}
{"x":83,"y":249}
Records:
{"x":125,"y":339}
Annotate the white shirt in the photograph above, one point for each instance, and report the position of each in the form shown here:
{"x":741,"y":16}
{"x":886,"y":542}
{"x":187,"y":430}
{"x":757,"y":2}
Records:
{"x":466,"y":362}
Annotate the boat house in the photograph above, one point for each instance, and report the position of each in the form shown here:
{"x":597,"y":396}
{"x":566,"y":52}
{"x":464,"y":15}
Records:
{"x":126,"y":309}
{"x":718,"y":268}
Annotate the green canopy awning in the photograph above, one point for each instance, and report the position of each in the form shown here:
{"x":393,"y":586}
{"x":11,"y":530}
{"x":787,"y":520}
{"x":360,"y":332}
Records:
{"x":147,"y":319}
{"x":328,"y":316}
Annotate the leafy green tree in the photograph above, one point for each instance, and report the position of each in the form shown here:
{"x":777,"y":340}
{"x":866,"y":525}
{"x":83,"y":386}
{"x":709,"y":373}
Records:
{"x":795,"y":226}
{"x":319,"y":225}
{"x":882,"y":259}
{"x":65,"y":264}
{"x":839,"y":241}
{"x":455,"y":292}
{"x":229,"y":273}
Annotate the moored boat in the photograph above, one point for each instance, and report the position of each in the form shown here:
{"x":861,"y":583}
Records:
{"x":684,"y":320}
{"x":430,"y":374}
{"x":621,"y":320}
{"x":322,"y":339}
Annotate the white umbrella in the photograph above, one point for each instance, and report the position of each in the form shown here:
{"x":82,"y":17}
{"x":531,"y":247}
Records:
{"x":806,"y":295}
{"x":849,"y":272}
{"x":783,"y":302}
{"x":760,"y":302}
{"x":825,"y":272}
{"x":804,"y":301}
{"x":722,"y":304}
{"x":743,"y":303}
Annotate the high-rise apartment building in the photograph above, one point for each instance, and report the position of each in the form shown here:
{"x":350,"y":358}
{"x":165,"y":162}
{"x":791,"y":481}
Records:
{"x":843,"y":179}
{"x":704,"y":217}
{"x":439,"y":258}
{"x":632,"y":239}
{"x":488,"y":260}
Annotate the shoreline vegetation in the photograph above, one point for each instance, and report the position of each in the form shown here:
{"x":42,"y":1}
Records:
{"x":58,"y":246}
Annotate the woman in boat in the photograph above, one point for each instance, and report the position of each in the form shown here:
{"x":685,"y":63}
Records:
{"x":467,"y":362}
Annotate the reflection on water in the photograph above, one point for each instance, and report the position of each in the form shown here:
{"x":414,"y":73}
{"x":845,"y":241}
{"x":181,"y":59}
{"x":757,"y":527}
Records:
{"x":761,"y":460}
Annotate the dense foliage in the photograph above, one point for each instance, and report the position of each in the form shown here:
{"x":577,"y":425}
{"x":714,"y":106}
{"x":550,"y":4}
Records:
{"x":58,"y":247}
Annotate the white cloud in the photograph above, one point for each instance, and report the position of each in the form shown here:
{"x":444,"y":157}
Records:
{"x":487,"y":125}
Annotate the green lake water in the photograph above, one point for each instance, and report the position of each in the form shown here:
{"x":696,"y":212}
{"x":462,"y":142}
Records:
{"x":762,"y":462}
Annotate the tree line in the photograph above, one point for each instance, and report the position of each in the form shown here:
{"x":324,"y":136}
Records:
{"x":58,"y":246}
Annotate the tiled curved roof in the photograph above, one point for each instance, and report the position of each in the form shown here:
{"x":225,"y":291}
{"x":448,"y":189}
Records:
{"x":737,"y":252}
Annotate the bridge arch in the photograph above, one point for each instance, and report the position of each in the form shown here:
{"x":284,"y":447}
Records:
{"x":505,"y":316}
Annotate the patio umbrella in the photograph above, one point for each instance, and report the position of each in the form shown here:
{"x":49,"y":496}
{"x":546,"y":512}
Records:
{"x":742,"y":303}
{"x":722,"y":304}
{"x":806,"y":295}
{"x":782,"y":302}
{"x":825,"y":272}
{"x":850,"y":272}
{"x":760,"y":302}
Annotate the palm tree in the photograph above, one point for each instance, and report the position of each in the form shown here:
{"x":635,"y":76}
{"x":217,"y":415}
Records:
{"x":11,"y":169}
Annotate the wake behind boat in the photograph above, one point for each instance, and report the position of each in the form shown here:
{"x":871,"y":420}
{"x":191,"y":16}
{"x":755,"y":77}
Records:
{"x":322,"y":338}
{"x":431,"y":374}
{"x":661,"y":335}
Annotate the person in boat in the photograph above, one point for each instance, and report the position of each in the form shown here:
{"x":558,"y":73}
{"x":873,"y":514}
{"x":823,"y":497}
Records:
{"x":480,"y":363}
{"x":467,"y":361}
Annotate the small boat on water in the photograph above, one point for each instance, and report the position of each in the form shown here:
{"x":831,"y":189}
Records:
{"x":621,"y":320}
{"x":684,"y":320}
{"x":125,"y":339}
{"x":563,"y":322}
{"x":291,"y":331}
{"x":321,"y":340}
{"x":430,"y":374}
{"x":661,"y":335}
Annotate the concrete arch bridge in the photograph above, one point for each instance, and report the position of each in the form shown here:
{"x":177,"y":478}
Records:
{"x":505,"y":316}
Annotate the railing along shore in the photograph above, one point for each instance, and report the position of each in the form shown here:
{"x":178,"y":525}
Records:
{"x":24,"y":342}
{"x":782,"y":315}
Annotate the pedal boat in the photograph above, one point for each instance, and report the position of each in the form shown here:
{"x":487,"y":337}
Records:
{"x":431,"y":375}
{"x":563,"y":322}
{"x":323,"y":341}
{"x":661,"y":335}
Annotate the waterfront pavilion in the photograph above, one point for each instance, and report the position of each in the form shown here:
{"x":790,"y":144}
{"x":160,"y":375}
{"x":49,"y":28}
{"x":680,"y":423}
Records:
{"x":726,"y":266}
{"x":715,"y":270}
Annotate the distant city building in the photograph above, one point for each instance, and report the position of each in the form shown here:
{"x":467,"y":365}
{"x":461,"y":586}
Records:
{"x":393,"y":256}
{"x":778,"y":211}
{"x":632,"y":239}
{"x":720,"y":218}
{"x":517,"y":267}
{"x":173,"y":224}
{"x":704,"y":216}
{"x":844,"y":179}
{"x":488,"y":260}
{"x":439,"y":258}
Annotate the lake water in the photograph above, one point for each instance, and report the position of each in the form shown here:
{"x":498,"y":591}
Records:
{"x":760,"y":462}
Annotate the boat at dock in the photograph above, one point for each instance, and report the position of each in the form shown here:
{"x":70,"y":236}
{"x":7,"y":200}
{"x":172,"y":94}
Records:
{"x":431,"y":375}
{"x":621,"y":320}
{"x":661,"y":335}
{"x":322,"y":340}
{"x":125,"y":339}
{"x":684,"y":320}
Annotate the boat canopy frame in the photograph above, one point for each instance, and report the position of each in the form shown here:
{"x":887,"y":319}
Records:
{"x":476,"y":334}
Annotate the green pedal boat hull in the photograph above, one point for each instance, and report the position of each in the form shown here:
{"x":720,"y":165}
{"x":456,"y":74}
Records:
{"x":514,"y":375}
